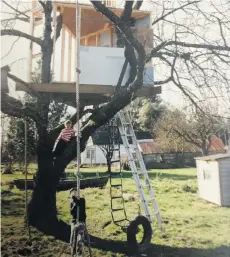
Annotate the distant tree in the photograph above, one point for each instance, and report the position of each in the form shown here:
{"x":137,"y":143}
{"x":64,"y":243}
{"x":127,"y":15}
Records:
{"x":13,"y":149}
{"x":195,"y":128}
{"x":145,"y":112}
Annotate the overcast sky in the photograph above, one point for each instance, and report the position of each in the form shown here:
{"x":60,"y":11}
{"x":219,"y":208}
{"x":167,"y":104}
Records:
{"x":15,"y":51}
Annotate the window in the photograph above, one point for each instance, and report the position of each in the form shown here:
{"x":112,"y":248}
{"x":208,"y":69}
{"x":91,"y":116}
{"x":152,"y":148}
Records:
{"x":88,"y":154}
{"x":93,"y":154}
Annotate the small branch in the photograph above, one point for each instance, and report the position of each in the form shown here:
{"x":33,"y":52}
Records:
{"x":18,"y":33}
{"x":221,"y":32}
{"x":162,"y":82}
{"x":16,"y":10}
{"x":171,"y":12}
{"x":16,"y":18}
{"x":12,"y":46}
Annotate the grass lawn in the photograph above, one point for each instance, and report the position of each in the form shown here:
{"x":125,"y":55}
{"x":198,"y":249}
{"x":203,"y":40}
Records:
{"x":192,"y":226}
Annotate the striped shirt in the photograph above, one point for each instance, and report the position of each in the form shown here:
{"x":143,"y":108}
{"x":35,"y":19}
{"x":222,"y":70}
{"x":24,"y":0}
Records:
{"x":66,"y":134}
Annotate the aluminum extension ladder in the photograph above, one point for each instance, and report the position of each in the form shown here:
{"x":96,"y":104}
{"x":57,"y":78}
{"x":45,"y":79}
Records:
{"x":138,"y":168}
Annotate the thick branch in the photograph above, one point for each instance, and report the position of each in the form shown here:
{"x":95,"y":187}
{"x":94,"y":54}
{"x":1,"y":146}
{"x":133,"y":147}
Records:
{"x":18,"y":33}
{"x":42,"y":4}
{"x":59,"y":26}
{"x":15,"y":108}
{"x":138,"y":5}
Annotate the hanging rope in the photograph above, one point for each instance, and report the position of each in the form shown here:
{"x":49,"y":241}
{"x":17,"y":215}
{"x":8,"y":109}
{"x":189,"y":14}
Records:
{"x":78,"y":30}
{"x":25,"y":170}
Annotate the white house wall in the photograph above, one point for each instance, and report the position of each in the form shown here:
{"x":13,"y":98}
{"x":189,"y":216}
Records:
{"x":98,"y":65}
{"x":208,"y":181}
{"x":224,"y":167}
{"x":100,"y":157}
{"x":14,"y":52}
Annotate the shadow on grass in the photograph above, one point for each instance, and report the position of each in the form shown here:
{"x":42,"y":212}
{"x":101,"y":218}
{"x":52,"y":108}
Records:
{"x":158,"y":250}
{"x":128,"y":174}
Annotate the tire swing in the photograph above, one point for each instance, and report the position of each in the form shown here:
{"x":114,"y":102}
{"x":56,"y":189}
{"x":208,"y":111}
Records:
{"x":133,"y":230}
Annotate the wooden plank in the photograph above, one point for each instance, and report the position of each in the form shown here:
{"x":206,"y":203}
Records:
{"x":54,"y":38}
{"x":4,"y":78}
{"x":36,"y":55}
{"x":70,"y":57}
{"x":97,"y":39}
{"x":84,"y":89}
{"x":84,"y":6}
{"x":111,"y":37}
{"x":86,"y":41}
{"x":29,"y":74}
{"x":62,"y":52}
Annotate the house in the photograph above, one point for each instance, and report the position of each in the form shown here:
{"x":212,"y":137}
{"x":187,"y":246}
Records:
{"x":101,"y":61}
{"x":213,"y":174}
{"x":94,"y":154}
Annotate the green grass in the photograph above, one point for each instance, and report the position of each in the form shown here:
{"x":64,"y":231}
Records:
{"x":192,"y":226}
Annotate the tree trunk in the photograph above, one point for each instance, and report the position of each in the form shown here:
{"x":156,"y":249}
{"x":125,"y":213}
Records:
{"x":42,"y":211}
{"x":204,"y":149}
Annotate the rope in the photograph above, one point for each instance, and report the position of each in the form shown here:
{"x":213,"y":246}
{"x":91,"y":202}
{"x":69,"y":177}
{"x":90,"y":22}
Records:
{"x":26,"y":191}
{"x":78,"y":29}
{"x":54,"y":37}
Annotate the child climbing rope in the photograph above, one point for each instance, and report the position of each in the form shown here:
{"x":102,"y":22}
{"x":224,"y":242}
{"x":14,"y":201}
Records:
{"x":61,"y":142}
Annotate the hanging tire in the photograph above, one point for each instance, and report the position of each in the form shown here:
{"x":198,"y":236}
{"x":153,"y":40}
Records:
{"x":133,"y":230}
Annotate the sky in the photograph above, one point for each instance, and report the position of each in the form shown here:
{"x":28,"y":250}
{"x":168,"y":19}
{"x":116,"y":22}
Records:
{"x":14,"y":51}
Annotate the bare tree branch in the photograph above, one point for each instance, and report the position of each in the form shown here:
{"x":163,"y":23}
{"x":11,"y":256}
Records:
{"x":14,"y":107}
{"x":173,"y":11}
{"x":12,"y":46}
{"x":16,"y":10}
{"x":18,"y":33}
{"x":42,"y":3}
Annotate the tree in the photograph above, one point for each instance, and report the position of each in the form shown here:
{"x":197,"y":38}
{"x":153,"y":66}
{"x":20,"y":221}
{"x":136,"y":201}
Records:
{"x":14,"y":146}
{"x":195,"y":128}
{"x":171,"y":51}
{"x":145,"y":112}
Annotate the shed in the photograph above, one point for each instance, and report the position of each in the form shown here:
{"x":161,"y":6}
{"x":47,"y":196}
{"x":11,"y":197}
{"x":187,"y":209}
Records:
{"x":213,"y":173}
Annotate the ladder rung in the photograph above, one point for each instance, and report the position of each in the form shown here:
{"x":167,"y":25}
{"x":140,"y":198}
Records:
{"x":114,"y":149}
{"x":117,"y":197}
{"x":116,"y":185}
{"x":118,"y":209}
{"x":116,"y":221}
{"x":115,"y":161}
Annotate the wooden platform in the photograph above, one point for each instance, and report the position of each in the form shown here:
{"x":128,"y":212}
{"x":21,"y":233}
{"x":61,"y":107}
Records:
{"x":89,"y":94}
{"x":65,"y":91}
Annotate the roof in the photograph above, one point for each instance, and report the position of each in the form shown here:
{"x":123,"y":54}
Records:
{"x":147,"y":147}
{"x":214,"y":157}
{"x":72,"y":4}
{"x":102,"y":137}
{"x":216,"y":145}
